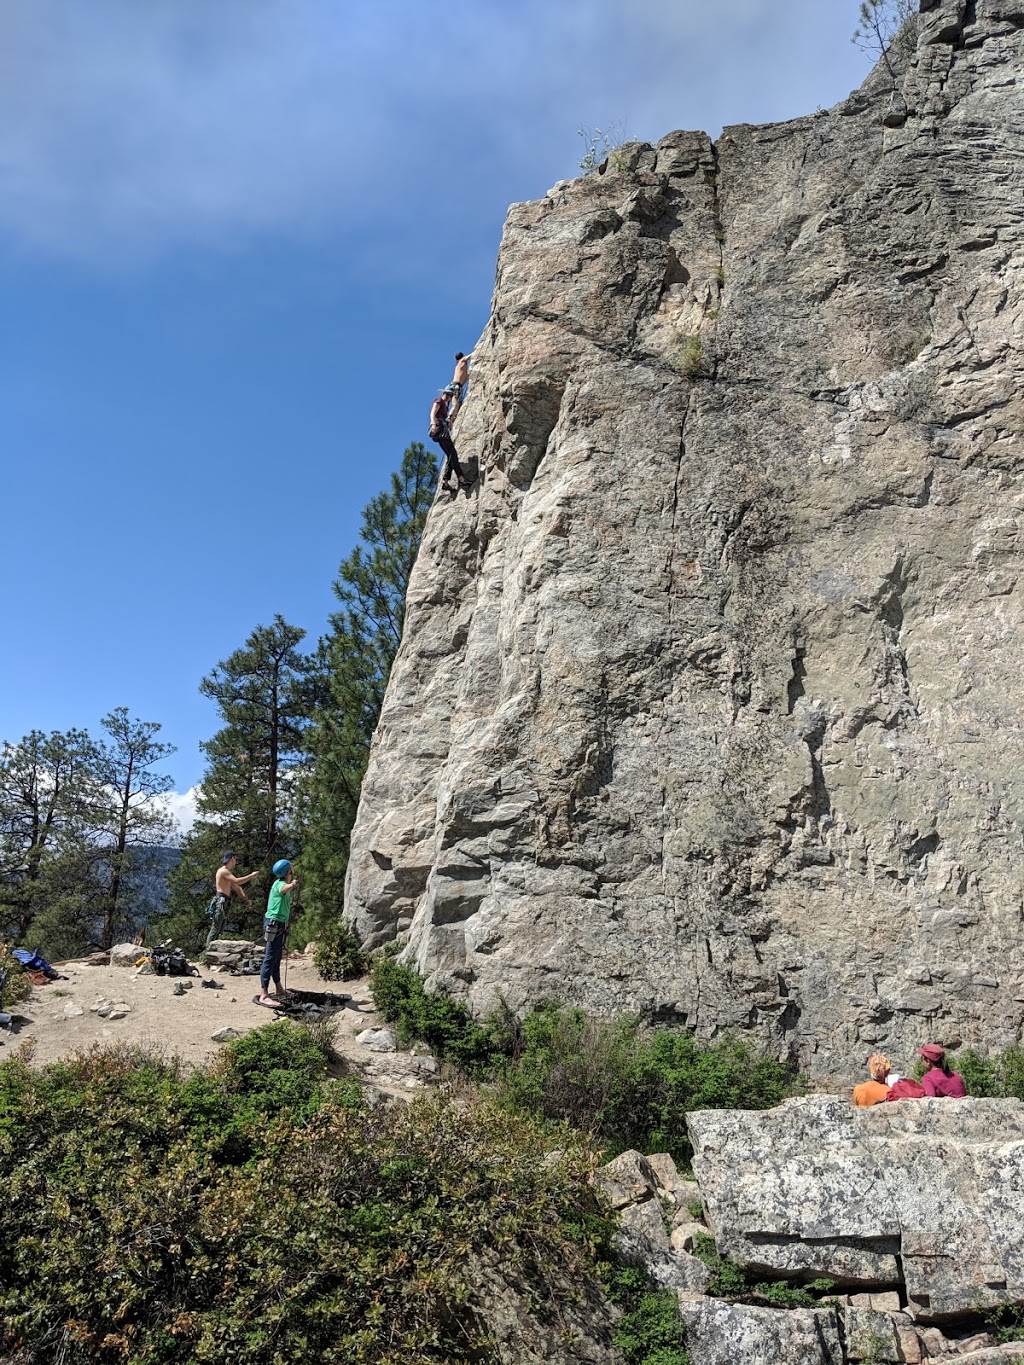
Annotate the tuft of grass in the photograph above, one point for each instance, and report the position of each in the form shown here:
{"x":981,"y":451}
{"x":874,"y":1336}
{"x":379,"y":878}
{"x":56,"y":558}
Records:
{"x":688,"y":355}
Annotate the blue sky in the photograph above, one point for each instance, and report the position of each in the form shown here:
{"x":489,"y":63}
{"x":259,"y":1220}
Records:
{"x":240,"y":242}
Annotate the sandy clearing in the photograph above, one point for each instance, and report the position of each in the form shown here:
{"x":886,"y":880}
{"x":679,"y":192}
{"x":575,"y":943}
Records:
{"x":176,"y":1025}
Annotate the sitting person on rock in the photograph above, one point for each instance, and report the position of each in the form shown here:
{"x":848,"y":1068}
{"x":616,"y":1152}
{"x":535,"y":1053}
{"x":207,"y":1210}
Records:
{"x":938,"y":1081}
{"x":876,"y":1089}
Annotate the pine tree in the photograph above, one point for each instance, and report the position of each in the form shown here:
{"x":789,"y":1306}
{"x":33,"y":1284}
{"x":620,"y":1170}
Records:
{"x":128,"y":816}
{"x":265,"y":694}
{"x":354,"y":662}
{"x":47,"y":794}
{"x":887,"y":29}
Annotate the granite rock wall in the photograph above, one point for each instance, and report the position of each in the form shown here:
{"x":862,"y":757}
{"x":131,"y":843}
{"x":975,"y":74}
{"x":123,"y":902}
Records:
{"x":709,"y":700}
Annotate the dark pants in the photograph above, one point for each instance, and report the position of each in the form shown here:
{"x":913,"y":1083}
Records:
{"x":275,"y":933}
{"x":220,"y":905}
{"x":451,"y":462}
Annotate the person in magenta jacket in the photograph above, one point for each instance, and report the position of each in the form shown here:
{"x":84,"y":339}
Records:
{"x":938,"y":1081}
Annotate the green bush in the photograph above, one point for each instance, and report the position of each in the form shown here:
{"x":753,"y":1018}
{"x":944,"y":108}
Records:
{"x":621,"y":1083}
{"x":342,"y":1234}
{"x":445,"y":1025}
{"x":650,"y":1331}
{"x":730,"y":1281}
{"x":630,"y":1086}
{"x":1006,"y":1323}
{"x":999,"y":1076}
{"x":339,"y":955}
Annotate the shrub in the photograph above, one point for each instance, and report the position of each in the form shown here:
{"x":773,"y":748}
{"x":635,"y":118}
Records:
{"x":650,"y":1331}
{"x":445,"y":1025}
{"x":621,"y":1083}
{"x":1000,"y":1076}
{"x":347,"y":1234}
{"x":572,"y":1067}
{"x":730,"y":1281}
{"x":1006,"y":1323}
{"x":17,"y":985}
{"x":339,"y":955}
{"x":633,"y":1087}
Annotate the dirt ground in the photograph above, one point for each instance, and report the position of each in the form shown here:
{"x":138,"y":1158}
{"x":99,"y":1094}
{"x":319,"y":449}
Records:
{"x":181,"y":1025}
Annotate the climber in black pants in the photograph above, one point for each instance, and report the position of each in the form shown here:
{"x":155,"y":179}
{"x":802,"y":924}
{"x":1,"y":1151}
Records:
{"x":441,"y":433}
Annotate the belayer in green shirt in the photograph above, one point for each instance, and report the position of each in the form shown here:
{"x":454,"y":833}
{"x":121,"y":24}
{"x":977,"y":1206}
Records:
{"x":275,"y":931}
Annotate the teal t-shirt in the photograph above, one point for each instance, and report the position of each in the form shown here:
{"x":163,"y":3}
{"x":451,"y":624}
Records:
{"x":279,"y":906}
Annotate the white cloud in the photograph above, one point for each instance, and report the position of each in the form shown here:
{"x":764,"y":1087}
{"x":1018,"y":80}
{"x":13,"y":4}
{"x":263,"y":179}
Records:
{"x":128,"y":126}
{"x":182,"y":808}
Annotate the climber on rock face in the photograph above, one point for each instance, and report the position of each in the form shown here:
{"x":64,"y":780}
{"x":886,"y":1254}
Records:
{"x":441,"y":433}
{"x":875,"y":1090}
{"x":939,"y":1081}
{"x":461,"y":380}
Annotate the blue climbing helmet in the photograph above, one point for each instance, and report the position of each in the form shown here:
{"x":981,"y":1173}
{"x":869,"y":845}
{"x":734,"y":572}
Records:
{"x":281,"y":867}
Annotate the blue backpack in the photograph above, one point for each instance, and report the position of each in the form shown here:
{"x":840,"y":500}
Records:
{"x":34,"y":962}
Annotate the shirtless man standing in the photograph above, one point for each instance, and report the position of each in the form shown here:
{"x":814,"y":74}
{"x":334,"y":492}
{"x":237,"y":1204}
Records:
{"x":228,"y":885}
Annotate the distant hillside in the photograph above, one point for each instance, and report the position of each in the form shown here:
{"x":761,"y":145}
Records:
{"x":150,"y":868}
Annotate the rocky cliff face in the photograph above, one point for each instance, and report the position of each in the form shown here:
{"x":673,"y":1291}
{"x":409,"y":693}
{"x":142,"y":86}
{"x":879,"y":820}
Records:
{"x":709,"y":704}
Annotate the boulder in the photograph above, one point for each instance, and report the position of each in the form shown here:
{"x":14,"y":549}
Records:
{"x":628,"y":1179}
{"x":666,"y":1173}
{"x":684,"y":1235}
{"x":232,"y":952}
{"x":377,"y":1039}
{"x":720,"y":1333}
{"x":921,"y":1197}
{"x":126,"y":954}
{"x":871,"y":1336}
{"x":226,"y":1035}
{"x":642,"y":1237}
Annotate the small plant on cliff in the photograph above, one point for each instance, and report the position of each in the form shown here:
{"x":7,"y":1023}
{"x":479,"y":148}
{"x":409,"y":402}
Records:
{"x":1006,"y":1323}
{"x":650,"y":1331}
{"x":688,"y":355}
{"x":730,"y":1281}
{"x":887,"y":29}
{"x":599,"y":144}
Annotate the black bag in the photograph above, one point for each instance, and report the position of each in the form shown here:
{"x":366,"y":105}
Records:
{"x":170,"y":963}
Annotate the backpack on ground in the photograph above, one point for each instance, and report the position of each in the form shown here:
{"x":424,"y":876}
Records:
{"x":34,"y":962}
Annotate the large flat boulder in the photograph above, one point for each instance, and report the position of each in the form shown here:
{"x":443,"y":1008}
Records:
{"x":720,"y":1333}
{"x":924,"y":1197}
